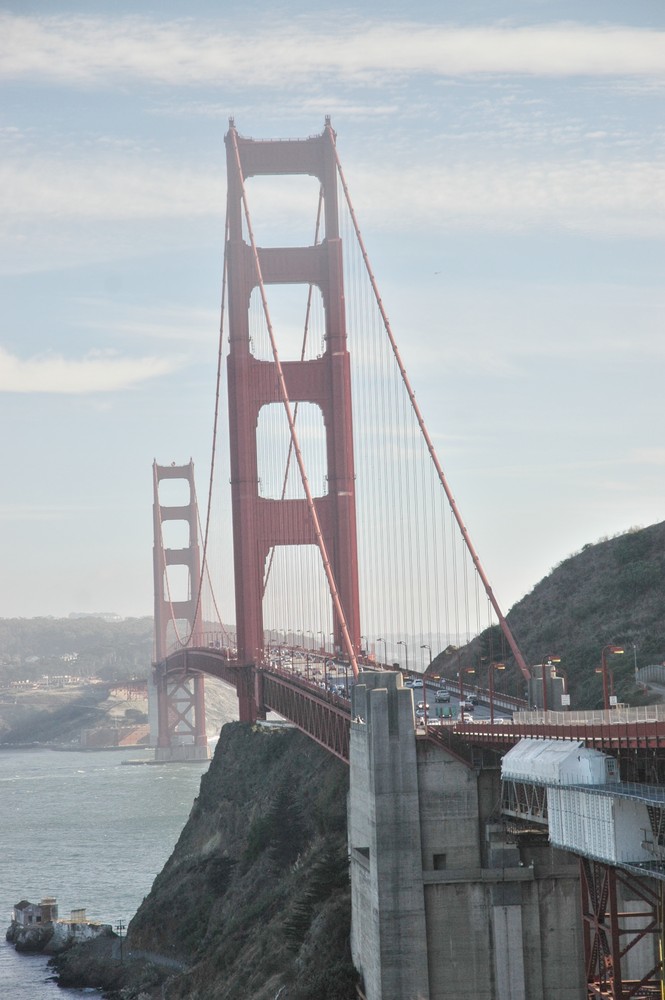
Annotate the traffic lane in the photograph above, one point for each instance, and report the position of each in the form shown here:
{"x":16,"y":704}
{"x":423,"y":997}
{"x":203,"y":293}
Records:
{"x":452,"y":708}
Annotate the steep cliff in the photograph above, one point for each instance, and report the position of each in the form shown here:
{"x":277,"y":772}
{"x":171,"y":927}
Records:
{"x":254,"y":901}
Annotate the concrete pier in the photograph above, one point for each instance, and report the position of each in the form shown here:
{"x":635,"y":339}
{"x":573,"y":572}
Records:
{"x":444,"y":906}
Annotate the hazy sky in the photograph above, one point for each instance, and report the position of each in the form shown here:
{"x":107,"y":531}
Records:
{"x":507,"y":165}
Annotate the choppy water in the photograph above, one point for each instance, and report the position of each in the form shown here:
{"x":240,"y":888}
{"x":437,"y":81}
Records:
{"x":88,"y":830}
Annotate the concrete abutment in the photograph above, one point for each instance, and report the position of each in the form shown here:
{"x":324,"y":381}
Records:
{"x":444,"y":906}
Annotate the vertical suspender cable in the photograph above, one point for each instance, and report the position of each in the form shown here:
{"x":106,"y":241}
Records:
{"x":430,"y":446}
{"x":204,"y":555}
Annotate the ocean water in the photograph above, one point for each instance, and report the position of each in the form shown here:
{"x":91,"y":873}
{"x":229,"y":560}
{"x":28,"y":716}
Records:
{"x":89,"y":830}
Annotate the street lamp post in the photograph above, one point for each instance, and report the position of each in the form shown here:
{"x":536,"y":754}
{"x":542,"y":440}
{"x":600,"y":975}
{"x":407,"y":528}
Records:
{"x":401,"y":642}
{"x":120,"y":926}
{"x":492,"y":668}
{"x":385,"y":651}
{"x":425,"y":646}
{"x":615,"y":651}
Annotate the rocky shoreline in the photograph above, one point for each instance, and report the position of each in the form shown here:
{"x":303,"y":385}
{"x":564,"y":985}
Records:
{"x":85,"y":954}
{"x":119,"y":973}
{"x":54,"y":936}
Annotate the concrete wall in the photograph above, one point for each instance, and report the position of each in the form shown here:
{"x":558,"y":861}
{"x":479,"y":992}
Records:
{"x":443,"y":906}
{"x":388,"y":929}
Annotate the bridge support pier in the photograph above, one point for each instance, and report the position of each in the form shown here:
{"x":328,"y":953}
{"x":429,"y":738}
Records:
{"x":179,"y":714}
{"x":623,"y":932}
{"x":443,"y":905}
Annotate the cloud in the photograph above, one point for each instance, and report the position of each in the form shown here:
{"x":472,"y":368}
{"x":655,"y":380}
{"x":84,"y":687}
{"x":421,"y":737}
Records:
{"x":109,"y":188}
{"x":86,"y":50}
{"x":33,"y":512}
{"x":188,"y":324}
{"x":648,"y":456}
{"x":592,"y":195}
{"x":93,"y":374}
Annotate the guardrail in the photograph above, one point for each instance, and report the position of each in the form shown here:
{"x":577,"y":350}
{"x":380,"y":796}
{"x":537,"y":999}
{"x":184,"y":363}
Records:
{"x":611,"y":716}
{"x":654,"y":672}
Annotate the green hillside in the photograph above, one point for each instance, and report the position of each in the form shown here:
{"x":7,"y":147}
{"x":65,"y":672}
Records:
{"x":609,"y":592}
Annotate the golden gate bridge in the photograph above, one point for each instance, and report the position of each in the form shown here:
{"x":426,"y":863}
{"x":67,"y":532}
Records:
{"x":331,"y":536}
{"x":345,"y":530}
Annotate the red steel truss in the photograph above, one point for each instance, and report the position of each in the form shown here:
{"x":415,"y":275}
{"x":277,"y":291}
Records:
{"x":259,"y":524}
{"x":320,"y":714}
{"x":610,"y":933}
{"x":601,"y":736}
{"x":323,"y":716}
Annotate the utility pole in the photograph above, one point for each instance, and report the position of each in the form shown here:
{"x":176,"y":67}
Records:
{"x":119,"y":929}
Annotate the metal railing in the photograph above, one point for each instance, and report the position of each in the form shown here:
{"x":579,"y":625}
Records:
{"x":611,"y":716}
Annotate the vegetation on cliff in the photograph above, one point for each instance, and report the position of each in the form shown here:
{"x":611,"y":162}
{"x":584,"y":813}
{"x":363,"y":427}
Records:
{"x":254,"y":902}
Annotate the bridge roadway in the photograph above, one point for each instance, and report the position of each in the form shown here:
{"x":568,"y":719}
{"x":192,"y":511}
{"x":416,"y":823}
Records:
{"x":325,"y":715}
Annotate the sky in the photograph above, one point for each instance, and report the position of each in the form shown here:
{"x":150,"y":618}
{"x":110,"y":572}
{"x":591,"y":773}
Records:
{"x":506,"y":162}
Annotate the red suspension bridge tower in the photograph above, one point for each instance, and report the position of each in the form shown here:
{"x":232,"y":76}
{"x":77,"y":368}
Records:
{"x":180,"y":693}
{"x":259,"y":523}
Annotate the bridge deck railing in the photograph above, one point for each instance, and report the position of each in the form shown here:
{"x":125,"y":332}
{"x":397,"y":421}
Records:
{"x":612,"y":716}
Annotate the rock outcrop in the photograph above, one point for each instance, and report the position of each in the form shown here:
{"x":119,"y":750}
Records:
{"x":54,"y":936}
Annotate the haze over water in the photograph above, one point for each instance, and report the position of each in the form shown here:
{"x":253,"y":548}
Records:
{"x":88,"y":830}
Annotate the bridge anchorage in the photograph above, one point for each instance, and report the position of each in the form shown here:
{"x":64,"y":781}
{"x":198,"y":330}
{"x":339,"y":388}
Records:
{"x":350,"y":561}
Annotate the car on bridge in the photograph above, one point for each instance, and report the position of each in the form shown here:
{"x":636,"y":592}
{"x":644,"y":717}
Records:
{"x":442,"y":696}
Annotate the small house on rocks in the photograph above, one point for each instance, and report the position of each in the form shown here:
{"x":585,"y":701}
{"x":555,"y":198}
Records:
{"x":30,"y":914}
